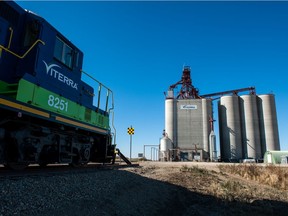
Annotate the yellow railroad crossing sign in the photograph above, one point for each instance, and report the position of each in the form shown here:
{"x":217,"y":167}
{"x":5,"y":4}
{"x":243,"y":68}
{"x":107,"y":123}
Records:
{"x":130,"y":130}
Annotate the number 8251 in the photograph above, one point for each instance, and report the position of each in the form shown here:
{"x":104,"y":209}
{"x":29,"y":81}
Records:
{"x":57,"y":103}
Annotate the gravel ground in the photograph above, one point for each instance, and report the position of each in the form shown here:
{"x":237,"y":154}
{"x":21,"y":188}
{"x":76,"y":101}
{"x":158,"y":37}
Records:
{"x":110,"y":192}
{"x":128,"y":191}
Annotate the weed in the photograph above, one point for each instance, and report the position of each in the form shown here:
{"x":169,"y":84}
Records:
{"x":193,"y":169}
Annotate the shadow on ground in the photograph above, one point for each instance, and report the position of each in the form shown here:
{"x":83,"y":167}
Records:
{"x":119,"y":192}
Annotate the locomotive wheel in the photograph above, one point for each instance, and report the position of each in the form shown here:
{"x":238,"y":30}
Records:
{"x":17,"y":165}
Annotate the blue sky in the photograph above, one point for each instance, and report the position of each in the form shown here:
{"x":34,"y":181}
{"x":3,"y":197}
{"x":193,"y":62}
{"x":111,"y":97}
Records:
{"x":138,"y":49}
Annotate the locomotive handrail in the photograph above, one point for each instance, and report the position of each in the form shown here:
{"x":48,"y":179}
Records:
{"x":111,"y":110}
{"x":107,"y":100}
{"x":82,"y":71}
{"x":99,"y":91}
{"x":24,"y":55}
{"x":11,"y":35}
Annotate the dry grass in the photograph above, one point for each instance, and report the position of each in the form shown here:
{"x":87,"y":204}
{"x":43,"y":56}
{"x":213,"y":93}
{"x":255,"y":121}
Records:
{"x":194,"y":169}
{"x":223,"y":188}
{"x":234,"y":189}
{"x":274,"y":176}
{"x":222,"y":181}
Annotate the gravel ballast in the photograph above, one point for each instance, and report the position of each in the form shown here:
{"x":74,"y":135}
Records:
{"x":108,"y":192}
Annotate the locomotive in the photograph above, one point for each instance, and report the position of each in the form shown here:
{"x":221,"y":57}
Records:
{"x":48,"y":113}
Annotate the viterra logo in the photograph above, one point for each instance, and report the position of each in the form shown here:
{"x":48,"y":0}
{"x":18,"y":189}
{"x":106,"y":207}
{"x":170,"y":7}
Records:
{"x":51,"y":71}
{"x":188,"y":106}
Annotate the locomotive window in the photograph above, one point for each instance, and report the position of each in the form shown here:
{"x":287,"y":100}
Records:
{"x":63,"y":52}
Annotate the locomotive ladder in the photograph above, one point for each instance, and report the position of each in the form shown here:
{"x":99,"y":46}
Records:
{"x":123,"y":157}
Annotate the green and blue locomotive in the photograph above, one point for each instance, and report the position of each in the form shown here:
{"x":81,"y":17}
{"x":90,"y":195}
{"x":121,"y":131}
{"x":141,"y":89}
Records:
{"x":48,"y":114}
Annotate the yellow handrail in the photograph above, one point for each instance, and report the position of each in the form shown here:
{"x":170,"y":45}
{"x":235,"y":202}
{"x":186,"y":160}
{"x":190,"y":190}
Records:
{"x":24,"y":55}
{"x":11,"y":35}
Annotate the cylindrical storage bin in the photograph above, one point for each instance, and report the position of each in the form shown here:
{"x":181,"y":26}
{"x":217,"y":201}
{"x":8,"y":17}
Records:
{"x":212,"y":149}
{"x":206,"y":113}
{"x":170,"y":118}
{"x":250,"y":127}
{"x":165,"y":146}
{"x":268,"y":123}
{"x":230,"y":128}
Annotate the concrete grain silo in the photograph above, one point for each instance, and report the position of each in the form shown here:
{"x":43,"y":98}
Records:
{"x":230,"y":128}
{"x":206,"y":114}
{"x":268,"y":123}
{"x":170,"y":118}
{"x":250,"y":127}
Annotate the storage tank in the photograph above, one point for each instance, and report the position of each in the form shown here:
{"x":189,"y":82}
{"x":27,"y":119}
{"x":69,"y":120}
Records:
{"x":230,"y":128}
{"x":250,"y":127}
{"x":170,"y":118}
{"x":268,"y":123}
{"x":165,"y":146}
{"x":206,"y":112}
{"x":212,"y":149}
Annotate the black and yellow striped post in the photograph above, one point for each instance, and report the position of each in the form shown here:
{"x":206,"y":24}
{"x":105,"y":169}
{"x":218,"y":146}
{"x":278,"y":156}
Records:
{"x":130,"y":131}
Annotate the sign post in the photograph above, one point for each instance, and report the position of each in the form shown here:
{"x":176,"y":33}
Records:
{"x":130,"y":131}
